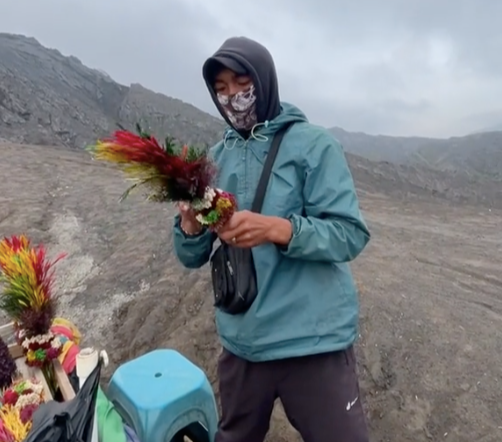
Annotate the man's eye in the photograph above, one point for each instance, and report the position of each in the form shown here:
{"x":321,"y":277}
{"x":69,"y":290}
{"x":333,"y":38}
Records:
{"x":243,"y":80}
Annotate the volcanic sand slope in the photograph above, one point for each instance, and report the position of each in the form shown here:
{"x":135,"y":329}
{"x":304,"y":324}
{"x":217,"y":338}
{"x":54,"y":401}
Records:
{"x":49,"y":98}
{"x":477,"y":155}
{"x":431,"y":341}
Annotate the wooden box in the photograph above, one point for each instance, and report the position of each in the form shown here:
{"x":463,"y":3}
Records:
{"x":67,"y":392}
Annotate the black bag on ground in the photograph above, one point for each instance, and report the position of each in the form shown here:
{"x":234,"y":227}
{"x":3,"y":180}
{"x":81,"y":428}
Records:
{"x":232,"y":268}
{"x":70,"y":421}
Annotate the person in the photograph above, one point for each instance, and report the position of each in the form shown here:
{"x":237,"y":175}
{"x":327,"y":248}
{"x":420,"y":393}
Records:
{"x":295,"y":342}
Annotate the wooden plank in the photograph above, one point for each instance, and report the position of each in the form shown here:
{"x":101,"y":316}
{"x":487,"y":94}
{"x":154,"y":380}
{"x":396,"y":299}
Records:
{"x":7,"y":332}
{"x":65,"y":386}
{"x":16,"y":351}
{"x":6,"y":329}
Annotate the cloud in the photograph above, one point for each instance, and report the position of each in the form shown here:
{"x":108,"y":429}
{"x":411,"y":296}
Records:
{"x":414,"y":67}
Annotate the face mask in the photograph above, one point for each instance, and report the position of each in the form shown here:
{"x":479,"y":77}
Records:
{"x":240,"y":108}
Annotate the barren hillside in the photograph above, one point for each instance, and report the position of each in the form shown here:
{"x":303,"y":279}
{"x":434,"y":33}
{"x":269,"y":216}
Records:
{"x":477,"y":156}
{"x":431,"y":340}
{"x":50,"y":99}
{"x":404,"y":181}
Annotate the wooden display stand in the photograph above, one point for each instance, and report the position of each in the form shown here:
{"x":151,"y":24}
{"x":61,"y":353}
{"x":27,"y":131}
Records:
{"x":16,"y":351}
{"x":67,"y":392}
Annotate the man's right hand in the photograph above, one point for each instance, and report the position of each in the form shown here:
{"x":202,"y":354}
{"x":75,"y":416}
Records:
{"x":188,"y":223}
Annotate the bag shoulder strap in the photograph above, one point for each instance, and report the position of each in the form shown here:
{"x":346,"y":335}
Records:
{"x":267,"y":169}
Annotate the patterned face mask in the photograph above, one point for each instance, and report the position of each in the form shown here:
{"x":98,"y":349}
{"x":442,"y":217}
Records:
{"x":240,"y":108}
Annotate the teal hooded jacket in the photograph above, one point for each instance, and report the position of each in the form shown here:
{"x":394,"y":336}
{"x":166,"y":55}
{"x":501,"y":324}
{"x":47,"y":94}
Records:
{"x":307,"y":301}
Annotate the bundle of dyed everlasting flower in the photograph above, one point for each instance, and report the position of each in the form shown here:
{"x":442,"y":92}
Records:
{"x":173,"y":173}
{"x":23,"y":393}
{"x":40,"y":350}
{"x":5,"y":433}
{"x":18,"y":403}
{"x":27,"y":277}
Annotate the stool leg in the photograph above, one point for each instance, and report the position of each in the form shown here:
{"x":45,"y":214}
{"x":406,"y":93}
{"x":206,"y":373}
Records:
{"x":179,"y":437}
{"x":212,"y":426}
{"x":196,"y":433}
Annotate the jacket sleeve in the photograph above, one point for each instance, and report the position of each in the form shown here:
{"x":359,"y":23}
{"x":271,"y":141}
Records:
{"x":333,"y":228}
{"x":192,"y":251}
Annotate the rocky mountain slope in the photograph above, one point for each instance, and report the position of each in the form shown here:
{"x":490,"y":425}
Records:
{"x":49,"y":99}
{"x":404,"y":181}
{"x":477,"y":155}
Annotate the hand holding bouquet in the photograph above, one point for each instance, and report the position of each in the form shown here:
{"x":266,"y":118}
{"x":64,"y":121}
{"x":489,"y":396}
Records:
{"x":173,"y":173}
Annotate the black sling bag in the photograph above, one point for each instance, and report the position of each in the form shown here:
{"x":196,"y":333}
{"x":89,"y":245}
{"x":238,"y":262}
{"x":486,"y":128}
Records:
{"x":232,"y":268}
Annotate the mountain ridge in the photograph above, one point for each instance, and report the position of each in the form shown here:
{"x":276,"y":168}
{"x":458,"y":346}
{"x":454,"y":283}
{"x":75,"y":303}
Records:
{"x":477,"y":154}
{"x":50,"y":99}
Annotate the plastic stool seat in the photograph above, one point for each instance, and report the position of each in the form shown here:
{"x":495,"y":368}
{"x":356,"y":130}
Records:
{"x":162,"y":392}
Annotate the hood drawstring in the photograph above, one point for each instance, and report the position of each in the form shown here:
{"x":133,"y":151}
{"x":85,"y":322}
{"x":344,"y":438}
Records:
{"x":225,"y":140}
{"x":258,"y":137}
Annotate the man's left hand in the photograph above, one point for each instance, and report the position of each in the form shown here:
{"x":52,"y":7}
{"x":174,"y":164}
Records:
{"x":248,"y":229}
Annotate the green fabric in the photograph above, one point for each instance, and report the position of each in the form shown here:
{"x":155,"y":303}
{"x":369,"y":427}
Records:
{"x":110,"y":425}
{"x":307,"y":301}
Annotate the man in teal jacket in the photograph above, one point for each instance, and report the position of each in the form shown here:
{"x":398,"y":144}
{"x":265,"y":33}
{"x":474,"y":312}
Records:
{"x":296,"y":340}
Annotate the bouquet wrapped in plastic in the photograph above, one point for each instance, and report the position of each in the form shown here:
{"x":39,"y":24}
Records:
{"x":172,"y":172}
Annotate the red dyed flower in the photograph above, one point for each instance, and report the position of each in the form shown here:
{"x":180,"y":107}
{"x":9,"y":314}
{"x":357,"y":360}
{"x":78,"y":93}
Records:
{"x":53,"y":353}
{"x":10,"y":397}
{"x":26,"y":413}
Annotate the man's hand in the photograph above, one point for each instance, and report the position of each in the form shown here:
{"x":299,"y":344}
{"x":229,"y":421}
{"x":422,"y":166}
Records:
{"x":188,"y":223}
{"x":248,"y":229}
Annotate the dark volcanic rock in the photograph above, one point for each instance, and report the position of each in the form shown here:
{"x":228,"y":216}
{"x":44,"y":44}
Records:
{"x":49,"y":99}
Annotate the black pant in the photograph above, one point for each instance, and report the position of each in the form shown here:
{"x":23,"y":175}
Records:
{"x":320,"y":395}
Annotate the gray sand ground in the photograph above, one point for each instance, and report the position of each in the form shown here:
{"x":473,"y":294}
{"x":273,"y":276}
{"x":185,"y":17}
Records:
{"x":430,"y":352}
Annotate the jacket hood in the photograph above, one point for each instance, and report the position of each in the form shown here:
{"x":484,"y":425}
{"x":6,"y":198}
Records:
{"x":246,"y":56}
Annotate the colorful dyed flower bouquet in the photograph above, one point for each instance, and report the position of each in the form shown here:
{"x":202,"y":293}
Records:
{"x":26,"y":296}
{"x":40,"y":350}
{"x":27,"y":277}
{"x":172,"y":172}
{"x":23,"y":393}
{"x":17,"y":405}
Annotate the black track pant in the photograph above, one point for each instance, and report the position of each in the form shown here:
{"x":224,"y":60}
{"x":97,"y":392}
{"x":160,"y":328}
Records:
{"x":320,"y":395}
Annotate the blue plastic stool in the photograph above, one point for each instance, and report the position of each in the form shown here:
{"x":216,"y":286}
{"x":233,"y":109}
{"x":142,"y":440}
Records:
{"x":161,"y":393}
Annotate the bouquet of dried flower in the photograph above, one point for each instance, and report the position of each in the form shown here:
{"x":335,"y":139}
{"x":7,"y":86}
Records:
{"x":27,"y":276}
{"x":172,"y":172}
{"x":17,"y":405}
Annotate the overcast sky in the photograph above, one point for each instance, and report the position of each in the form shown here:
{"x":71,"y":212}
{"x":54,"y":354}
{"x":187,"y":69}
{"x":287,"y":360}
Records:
{"x":397,"y":67}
